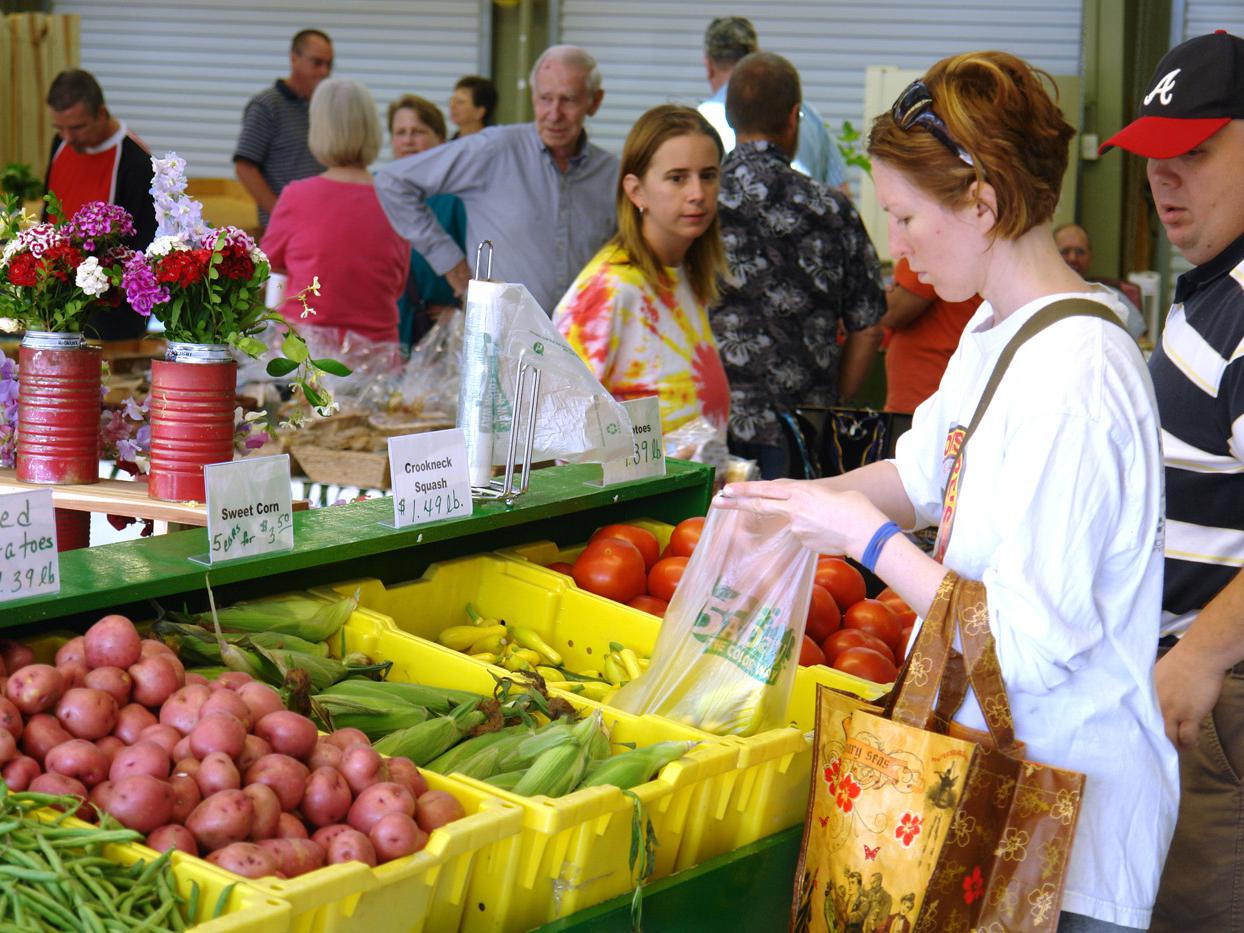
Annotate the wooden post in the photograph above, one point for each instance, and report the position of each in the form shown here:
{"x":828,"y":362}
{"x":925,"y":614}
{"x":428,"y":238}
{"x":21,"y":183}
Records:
{"x":34,"y":48}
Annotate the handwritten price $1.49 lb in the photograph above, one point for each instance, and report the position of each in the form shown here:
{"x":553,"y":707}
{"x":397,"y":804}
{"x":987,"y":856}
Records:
{"x":429,"y":508}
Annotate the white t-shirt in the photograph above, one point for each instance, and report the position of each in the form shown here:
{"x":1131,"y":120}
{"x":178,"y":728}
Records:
{"x":1060,"y":515}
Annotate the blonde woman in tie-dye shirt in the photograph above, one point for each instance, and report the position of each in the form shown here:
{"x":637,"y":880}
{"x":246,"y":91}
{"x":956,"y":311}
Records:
{"x":637,"y":313}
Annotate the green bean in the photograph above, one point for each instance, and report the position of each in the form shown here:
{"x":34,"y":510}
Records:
{"x":27,"y":874}
{"x":97,"y":886}
{"x":33,"y":897}
{"x":151,"y":920}
{"x":223,"y":901}
{"x":192,"y":905}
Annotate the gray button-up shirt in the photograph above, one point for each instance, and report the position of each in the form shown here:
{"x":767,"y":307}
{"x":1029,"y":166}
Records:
{"x":544,"y":224}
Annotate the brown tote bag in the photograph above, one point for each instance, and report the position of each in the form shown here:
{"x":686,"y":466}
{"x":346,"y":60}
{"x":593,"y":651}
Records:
{"x":916,"y":823}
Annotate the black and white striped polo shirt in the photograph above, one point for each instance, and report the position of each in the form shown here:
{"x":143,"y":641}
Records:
{"x":274,"y":137}
{"x":1198,"y":375}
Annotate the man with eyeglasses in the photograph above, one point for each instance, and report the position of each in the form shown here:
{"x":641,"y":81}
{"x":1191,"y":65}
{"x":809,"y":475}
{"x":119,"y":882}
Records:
{"x":272,"y":149}
{"x":1191,"y":131}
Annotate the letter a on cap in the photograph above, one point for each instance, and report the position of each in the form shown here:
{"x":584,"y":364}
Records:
{"x":1162,"y":90}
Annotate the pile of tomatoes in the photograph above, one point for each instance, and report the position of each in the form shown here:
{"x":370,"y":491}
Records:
{"x":625,"y":563}
{"x":850,"y":632}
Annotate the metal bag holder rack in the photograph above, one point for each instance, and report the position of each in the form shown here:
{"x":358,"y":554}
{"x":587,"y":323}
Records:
{"x":526,"y":389}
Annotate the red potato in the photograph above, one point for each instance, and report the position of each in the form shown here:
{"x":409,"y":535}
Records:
{"x":155,"y":679}
{"x":194,"y":677}
{"x":327,"y":797}
{"x":169,"y":656}
{"x":267,"y":811}
{"x":295,"y":856}
{"x":72,"y":650}
{"x":362,"y":766}
{"x":112,"y":642}
{"x":232,"y":680}
{"x":73,"y":674}
{"x":217,"y":772}
{"x":132,"y":719}
{"x":288,"y":733}
{"x":36,"y":688}
{"x":324,"y":755}
{"x":436,"y":808}
{"x":87,"y":713}
{"x":226,"y":701}
{"x":187,"y":766}
{"x":285,"y":775}
{"x":15,"y":655}
{"x":141,"y":802}
{"x":220,"y":819}
{"x":8,"y":747}
{"x":112,"y":680}
{"x":78,"y":759}
{"x":186,"y":796}
{"x":377,"y":801}
{"x":326,"y":834}
{"x":101,"y":793}
{"x":173,"y":836}
{"x":60,"y":785}
{"x":152,"y":646}
{"x":253,"y":748}
{"x":165,"y":736}
{"x":348,"y":738}
{"x":142,"y":757}
{"x":245,"y":859}
{"x":217,"y":732}
{"x":404,"y":771}
{"x":396,"y":835}
{"x":351,"y":846}
{"x":290,"y":827}
{"x":19,"y":772}
{"x":260,"y":699}
{"x":42,"y":734}
{"x":183,"y":708}
{"x":110,"y":745}
{"x":182,"y":749}
{"x":11,"y":717}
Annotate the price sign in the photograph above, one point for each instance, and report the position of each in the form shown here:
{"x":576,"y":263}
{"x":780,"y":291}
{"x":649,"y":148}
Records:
{"x":648,"y":456}
{"x":30,"y":565}
{"x":248,"y":508}
{"x":430,"y":477}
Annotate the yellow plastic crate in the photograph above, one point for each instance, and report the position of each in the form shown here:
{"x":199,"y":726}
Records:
{"x":573,"y":851}
{"x":424,"y":891}
{"x":769,"y":789}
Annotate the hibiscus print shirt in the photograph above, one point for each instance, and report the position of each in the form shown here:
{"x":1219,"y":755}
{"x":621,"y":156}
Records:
{"x":801,"y":262}
{"x":641,"y":338}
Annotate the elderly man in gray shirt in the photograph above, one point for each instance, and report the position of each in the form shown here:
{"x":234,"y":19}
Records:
{"x":539,"y":191}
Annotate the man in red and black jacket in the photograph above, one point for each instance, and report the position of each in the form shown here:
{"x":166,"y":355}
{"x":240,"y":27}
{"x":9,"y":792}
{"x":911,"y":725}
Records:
{"x":95,"y":158}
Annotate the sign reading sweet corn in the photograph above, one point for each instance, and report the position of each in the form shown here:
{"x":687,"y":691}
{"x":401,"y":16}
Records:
{"x":249,"y":511}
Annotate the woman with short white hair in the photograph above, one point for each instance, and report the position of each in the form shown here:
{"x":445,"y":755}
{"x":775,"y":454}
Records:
{"x":331,"y":226}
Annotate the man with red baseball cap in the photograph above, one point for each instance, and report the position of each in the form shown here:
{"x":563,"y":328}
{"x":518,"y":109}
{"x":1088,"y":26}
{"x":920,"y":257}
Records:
{"x":1191,"y":130}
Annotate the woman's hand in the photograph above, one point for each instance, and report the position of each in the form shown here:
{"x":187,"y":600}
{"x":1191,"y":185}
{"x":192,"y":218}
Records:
{"x":823,"y":519}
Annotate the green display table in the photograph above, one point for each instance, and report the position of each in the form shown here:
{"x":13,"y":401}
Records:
{"x":564,"y":504}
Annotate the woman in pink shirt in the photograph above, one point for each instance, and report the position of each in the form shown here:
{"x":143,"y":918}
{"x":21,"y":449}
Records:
{"x":332,"y":225}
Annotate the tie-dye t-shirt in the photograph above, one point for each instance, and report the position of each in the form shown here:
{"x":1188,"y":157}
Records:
{"x":640,"y":338}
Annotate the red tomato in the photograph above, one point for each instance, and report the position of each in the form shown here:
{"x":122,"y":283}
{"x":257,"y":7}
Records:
{"x":663,"y":578}
{"x":611,"y":568}
{"x":823,"y":615}
{"x":561,"y":567}
{"x":646,"y":541}
{"x":846,"y":638}
{"x":876,"y":617}
{"x":904,"y":613}
{"x":650,"y":604}
{"x":866,"y":663}
{"x":810,"y":653}
{"x":906,"y":641}
{"x":844,"y":582}
{"x":686,"y":536}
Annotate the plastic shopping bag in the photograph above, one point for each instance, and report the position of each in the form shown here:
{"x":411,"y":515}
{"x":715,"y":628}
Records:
{"x":577,"y":419}
{"x":726,"y":656}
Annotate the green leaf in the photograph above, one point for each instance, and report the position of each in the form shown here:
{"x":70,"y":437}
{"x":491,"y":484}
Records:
{"x":250,"y":346}
{"x":281,"y":367}
{"x":332,"y":367}
{"x":295,"y":348}
{"x":313,"y":396}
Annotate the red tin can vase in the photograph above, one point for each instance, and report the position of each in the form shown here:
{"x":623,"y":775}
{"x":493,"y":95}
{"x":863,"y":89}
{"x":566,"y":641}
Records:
{"x":193,"y":392}
{"x":58,"y":409}
{"x":73,"y":529}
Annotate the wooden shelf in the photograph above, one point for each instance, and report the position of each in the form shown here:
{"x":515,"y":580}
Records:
{"x":113,"y":497}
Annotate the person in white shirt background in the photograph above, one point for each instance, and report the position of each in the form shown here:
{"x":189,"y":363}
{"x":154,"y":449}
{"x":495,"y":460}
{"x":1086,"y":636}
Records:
{"x":1059,"y":500}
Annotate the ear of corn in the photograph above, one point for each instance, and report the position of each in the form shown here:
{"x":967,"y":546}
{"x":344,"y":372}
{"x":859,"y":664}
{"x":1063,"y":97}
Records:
{"x":289,"y":642}
{"x":506,"y":780}
{"x":375,"y":722}
{"x":427,"y":740}
{"x":294,"y":614}
{"x":631,"y":769}
{"x":534,"y":745}
{"x":433,"y":699}
{"x":548,"y":772}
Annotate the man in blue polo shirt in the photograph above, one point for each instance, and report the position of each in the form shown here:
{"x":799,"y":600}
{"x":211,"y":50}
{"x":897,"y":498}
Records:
{"x":1191,"y":130}
{"x":272,"y":149}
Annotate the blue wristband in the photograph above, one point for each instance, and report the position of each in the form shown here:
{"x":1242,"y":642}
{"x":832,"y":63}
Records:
{"x":873,"y":552}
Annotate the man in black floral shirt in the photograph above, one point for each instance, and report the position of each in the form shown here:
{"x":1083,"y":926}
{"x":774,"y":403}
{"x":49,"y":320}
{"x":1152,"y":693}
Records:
{"x":801,"y":262}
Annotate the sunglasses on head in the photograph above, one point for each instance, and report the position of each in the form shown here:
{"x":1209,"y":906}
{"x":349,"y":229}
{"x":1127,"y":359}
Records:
{"x":914,"y":107}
